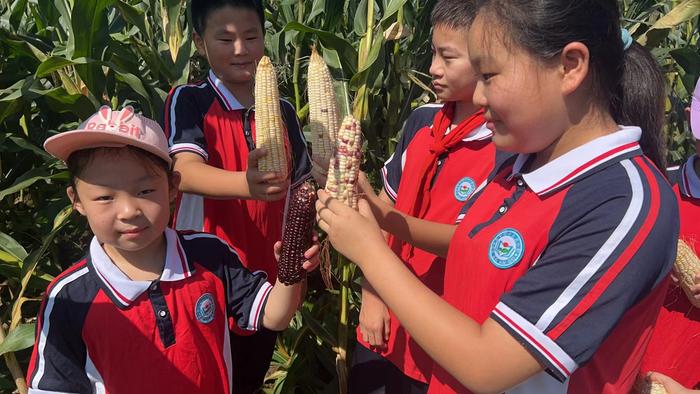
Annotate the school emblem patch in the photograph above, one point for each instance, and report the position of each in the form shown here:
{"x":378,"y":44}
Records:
{"x":464,"y":188}
{"x":205,"y":308}
{"x":507,"y":248}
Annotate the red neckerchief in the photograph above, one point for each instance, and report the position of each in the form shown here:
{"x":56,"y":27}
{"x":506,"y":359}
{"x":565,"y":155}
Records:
{"x":414,"y":192}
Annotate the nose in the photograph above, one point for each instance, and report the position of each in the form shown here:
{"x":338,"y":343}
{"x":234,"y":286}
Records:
{"x":435,"y":68}
{"x":240,"y":48}
{"x":128,"y":209}
{"x":479,"y":98}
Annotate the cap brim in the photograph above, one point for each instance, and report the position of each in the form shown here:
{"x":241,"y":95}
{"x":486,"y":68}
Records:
{"x":695,"y":117}
{"x":62,"y":145}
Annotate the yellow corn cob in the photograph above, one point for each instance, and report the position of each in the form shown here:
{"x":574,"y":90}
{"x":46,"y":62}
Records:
{"x":323,"y":111}
{"x":270,"y":132}
{"x":345,"y":164}
{"x":687,"y":265}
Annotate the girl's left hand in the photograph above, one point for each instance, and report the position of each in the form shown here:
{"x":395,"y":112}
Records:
{"x":353,"y":233}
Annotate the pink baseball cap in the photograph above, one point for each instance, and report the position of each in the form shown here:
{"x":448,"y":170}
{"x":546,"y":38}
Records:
{"x":695,"y":112}
{"x":108,"y":128}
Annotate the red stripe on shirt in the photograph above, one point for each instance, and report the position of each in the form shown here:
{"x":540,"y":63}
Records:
{"x":542,"y":349}
{"x":609,"y":277}
{"x":259,"y":308}
{"x":589,"y":164}
{"x":166,"y":118}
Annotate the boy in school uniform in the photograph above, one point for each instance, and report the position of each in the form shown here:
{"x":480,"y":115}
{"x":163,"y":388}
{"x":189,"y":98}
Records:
{"x":148,"y":309}
{"x":442,"y":158}
{"x":211,"y":134}
{"x":674,"y":349}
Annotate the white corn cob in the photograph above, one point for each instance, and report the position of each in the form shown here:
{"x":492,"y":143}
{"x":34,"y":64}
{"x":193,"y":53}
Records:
{"x":687,"y":266}
{"x":345,"y":164}
{"x":270,"y":132}
{"x":324,"y":116}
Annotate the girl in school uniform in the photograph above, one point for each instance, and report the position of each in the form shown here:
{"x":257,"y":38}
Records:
{"x":556,"y":273}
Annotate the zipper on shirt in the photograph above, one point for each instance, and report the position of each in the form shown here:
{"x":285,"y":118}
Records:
{"x":247,"y":129}
{"x":503,"y":208}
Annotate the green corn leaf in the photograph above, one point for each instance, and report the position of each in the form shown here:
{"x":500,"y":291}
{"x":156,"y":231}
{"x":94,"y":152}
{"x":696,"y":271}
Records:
{"x":22,"y":337}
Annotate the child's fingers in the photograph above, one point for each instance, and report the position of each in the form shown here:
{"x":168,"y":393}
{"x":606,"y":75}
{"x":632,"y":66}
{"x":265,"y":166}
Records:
{"x":277,"y":247}
{"x":669,"y":384}
{"x":312,"y":251}
{"x":254,"y":156}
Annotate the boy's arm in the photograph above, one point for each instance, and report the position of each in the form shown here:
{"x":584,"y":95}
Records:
{"x":198,"y":177}
{"x":429,"y":236}
{"x":282,"y":304}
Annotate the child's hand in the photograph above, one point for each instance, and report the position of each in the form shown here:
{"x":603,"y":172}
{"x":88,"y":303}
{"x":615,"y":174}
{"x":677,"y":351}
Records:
{"x":264,"y":186}
{"x":364,"y":187}
{"x":319,"y":171}
{"x":312,"y":255}
{"x":352,"y":233}
{"x":671,"y":386}
{"x":375,"y":322}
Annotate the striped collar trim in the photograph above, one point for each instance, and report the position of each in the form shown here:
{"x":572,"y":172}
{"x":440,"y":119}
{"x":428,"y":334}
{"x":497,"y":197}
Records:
{"x":690,"y":181}
{"x":123,"y":290}
{"x":575,"y":164}
{"x":229,"y":100}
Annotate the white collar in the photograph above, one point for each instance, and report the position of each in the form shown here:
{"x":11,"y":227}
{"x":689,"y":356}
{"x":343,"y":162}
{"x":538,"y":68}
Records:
{"x":479,"y":134}
{"x":224,"y":94}
{"x":690,"y":181}
{"x":577,"y":162}
{"x":124,"y":290}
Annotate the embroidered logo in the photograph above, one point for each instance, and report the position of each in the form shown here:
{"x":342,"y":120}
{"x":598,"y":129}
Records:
{"x":205,"y":308}
{"x":464,"y":188}
{"x":507,"y":248}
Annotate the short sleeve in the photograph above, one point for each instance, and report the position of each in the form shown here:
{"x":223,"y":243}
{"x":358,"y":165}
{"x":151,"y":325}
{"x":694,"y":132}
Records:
{"x":59,"y":357}
{"x":246,"y":292}
{"x":393,"y":168}
{"x":183,"y":121}
{"x":301,"y":169}
{"x":606,"y":252}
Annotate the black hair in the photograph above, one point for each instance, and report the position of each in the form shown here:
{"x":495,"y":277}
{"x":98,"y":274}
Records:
{"x":200,"y":10}
{"x":78,"y":160}
{"x":453,"y":14}
{"x":627,"y":82}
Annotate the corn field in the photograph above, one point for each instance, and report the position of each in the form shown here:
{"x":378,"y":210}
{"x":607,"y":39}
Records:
{"x":61,"y":60}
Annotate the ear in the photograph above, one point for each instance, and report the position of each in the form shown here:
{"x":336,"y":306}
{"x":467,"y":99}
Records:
{"x":174,"y":186}
{"x":199,"y":43}
{"x":75,"y":201}
{"x":575,"y":62}
{"x":687,"y":114}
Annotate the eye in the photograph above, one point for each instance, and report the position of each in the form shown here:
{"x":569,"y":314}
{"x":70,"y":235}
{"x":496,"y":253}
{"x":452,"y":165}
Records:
{"x":145,"y":192}
{"x":225,"y":40}
{"x":252,"y":38}
{"x":487,"y":76}
{"x":103,"y":198}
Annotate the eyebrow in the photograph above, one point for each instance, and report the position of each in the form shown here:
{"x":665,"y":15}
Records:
{"x":144,"y":178}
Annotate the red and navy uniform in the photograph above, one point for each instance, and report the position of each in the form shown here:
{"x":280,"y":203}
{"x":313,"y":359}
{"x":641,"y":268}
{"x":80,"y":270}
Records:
{"x":572,"y":259}
{"x":674,"y":349}
{"x":99,"y":331}
{"x":462,"y":172}
{"x":206,"y":119}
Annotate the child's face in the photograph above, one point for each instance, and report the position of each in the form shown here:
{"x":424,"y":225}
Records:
{"x":233,"y":43}
{"x":453,"y":76}
{"x":522,"y":97}
{"x":127,"y":204}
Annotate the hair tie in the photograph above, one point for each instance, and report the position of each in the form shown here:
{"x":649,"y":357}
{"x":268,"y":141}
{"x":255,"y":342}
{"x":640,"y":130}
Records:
{"x":627,"y":39}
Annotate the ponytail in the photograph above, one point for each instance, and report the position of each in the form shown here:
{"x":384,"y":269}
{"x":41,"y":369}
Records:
{"x":640,"y":101}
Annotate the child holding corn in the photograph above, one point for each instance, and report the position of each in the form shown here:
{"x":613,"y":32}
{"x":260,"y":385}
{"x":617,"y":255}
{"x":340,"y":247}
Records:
{"x":443,"y":157}
{"x":148,"y":309}
{"x":211,"y":127}
{"x":555,"y":275}
{"x":674,"y":349}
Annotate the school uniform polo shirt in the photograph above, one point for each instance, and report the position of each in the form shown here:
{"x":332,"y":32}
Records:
{"x":572,"y":259}
{"x":674,"y":349}
{"x":461,"y":173}
{"x":99,"y":331}
{"x":206,"y":119}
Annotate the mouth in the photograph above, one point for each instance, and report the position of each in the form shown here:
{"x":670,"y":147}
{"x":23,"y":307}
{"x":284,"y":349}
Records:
{"x":240,"y":64}
{"x":133,"y":231}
